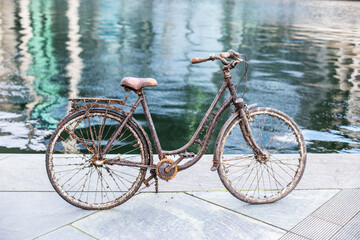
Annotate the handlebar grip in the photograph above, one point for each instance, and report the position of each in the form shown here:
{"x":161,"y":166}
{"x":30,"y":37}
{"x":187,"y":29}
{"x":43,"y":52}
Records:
{"x":225,"y":55}
{"x":199,"y":60}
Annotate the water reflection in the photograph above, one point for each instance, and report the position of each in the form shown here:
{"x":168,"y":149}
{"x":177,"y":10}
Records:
{"x":74,"y":68}
{"x":304,"y":60}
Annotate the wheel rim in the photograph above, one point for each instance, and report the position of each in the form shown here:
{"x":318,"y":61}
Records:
{"x":72,"y":161}
{"x":257,"y":180}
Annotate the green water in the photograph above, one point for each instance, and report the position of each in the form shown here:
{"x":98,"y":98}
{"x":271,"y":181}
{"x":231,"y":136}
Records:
{"x":304,"y":60}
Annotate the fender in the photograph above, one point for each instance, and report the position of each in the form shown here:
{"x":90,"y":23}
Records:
{"x":221,"y":134}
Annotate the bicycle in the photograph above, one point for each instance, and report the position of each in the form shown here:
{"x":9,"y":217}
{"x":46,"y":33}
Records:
{"x":98,"y":156}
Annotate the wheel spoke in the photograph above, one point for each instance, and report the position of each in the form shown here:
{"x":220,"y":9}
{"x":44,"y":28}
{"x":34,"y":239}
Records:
{"x":269,"y":177}
{"x":77,"y":172}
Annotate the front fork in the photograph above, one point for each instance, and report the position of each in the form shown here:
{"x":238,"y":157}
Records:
{"x":260,"y":154}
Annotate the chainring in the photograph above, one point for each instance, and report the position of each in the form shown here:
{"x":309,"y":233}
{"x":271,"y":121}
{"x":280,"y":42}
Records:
{"x":160,"y":169}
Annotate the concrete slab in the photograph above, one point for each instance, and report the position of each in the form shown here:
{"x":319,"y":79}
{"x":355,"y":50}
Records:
{"x":285,"y":213}
{"x":27,"y":173}
{"x":316,"y":228}
{"x":292,"y":236}
{"x":196,"y":178}
{"x":341,"y":208}
{"x":30,"y":208}
{"x":341,"y":171}
{"x":67,"y":232}
{"x":350,"y":231}
{"x":26,"y":215}
{"x":173,"y":216}
{"x":3,"y":156}
{"x":339,"y":214}
{"x":331,"y":171}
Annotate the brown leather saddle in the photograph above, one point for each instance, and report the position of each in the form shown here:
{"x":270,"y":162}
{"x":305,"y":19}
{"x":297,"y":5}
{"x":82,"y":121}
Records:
{"x":137,"y":84}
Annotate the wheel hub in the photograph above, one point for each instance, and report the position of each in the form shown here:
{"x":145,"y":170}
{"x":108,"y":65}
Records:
{"x":96,"y":161}
{"x":162,"y":173}
{"x":263,"y":158}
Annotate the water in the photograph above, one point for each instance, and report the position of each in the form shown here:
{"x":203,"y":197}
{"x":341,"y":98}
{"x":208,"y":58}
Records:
{"x":304,"y":60}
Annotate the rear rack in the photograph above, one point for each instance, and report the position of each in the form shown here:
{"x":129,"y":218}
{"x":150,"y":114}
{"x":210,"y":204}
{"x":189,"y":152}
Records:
{"x":107,"y":103}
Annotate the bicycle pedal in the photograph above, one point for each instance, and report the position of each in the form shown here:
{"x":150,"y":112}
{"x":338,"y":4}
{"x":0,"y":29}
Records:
{"x":146,"y":181}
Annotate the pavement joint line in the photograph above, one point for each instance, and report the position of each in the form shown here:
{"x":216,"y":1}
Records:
{"x":309,"y":189}
{"x":68,"y":224}
{"x":26,"y":191}
{"x":323,"y":204}
{"x":214,"y":191}
{"x":325,"y":220}
{"x":311,"y":214}
{"x":289,"y":231}
{"x":344,"y":225}
{"x":6,"y":157}
{"x":83,"y":231}
{"x":167,"y":191}
{"x":218,"y":205}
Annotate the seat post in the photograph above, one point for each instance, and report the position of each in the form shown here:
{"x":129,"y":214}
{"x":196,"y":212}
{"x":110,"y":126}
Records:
{"x":151,"y":125}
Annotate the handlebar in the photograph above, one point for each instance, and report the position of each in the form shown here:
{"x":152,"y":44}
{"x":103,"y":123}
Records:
{"x":229,"y":54}
{"x":225,"y":55}
{"x":199,"y":60}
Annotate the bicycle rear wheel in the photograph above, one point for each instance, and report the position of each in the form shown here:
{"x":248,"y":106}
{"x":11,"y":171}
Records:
{"x":256,"y":180}
{"x":71,"y":160}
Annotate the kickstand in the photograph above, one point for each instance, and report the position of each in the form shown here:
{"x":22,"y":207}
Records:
{"x":156,"y":184}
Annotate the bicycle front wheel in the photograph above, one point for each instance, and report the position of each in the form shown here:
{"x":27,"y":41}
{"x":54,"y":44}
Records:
{"x":79,"y":176}
{"x":256,"y":180}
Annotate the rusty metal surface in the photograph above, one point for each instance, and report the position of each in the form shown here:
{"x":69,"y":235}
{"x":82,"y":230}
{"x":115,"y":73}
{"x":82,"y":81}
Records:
{"x":85,"y":104}
{"x":167,"y":168}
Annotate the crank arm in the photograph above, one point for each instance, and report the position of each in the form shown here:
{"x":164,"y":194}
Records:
{"x":127,"y":163}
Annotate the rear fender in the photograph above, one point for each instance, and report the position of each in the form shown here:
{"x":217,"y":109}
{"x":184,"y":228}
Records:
{"x":122,"y":115}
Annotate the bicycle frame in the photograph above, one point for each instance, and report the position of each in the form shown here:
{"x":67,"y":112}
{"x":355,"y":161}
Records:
{"x":76,"y":148}
{"x":239,"y":108}
{"x":194,"y":140}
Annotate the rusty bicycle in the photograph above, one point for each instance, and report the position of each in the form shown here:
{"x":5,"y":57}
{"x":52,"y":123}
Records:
{"x":99,"y":154}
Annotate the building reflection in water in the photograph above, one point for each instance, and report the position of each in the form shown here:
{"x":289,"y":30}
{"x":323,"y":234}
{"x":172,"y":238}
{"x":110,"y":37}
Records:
{"x":25,"y":63}
{"x":337,"y":61}
{"x":75,"y":66}
{"x":13,"y":133}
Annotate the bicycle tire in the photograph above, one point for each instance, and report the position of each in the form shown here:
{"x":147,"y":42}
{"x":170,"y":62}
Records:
{"x":255,"y":180}
{"x":72,"y":171}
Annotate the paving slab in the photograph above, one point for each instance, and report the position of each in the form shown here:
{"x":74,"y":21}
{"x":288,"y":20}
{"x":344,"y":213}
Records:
{"x":66,"y":232}
{"x":26,"y":215}
{"x":331,"y":171}
{"x":315,"y":228}
{"x":30,"y":208}
{"x":338,"y":216}
{"x":351,"y":231}
{"x":173,"y":216}
{"x":27,"y":173}
{"x":285,"y":213}
{"x":3,"y":156}
{"x":341,"y":208}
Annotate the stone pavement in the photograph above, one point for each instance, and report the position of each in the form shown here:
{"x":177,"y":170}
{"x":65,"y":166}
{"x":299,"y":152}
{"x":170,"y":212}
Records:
{"x":194,"y":205}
